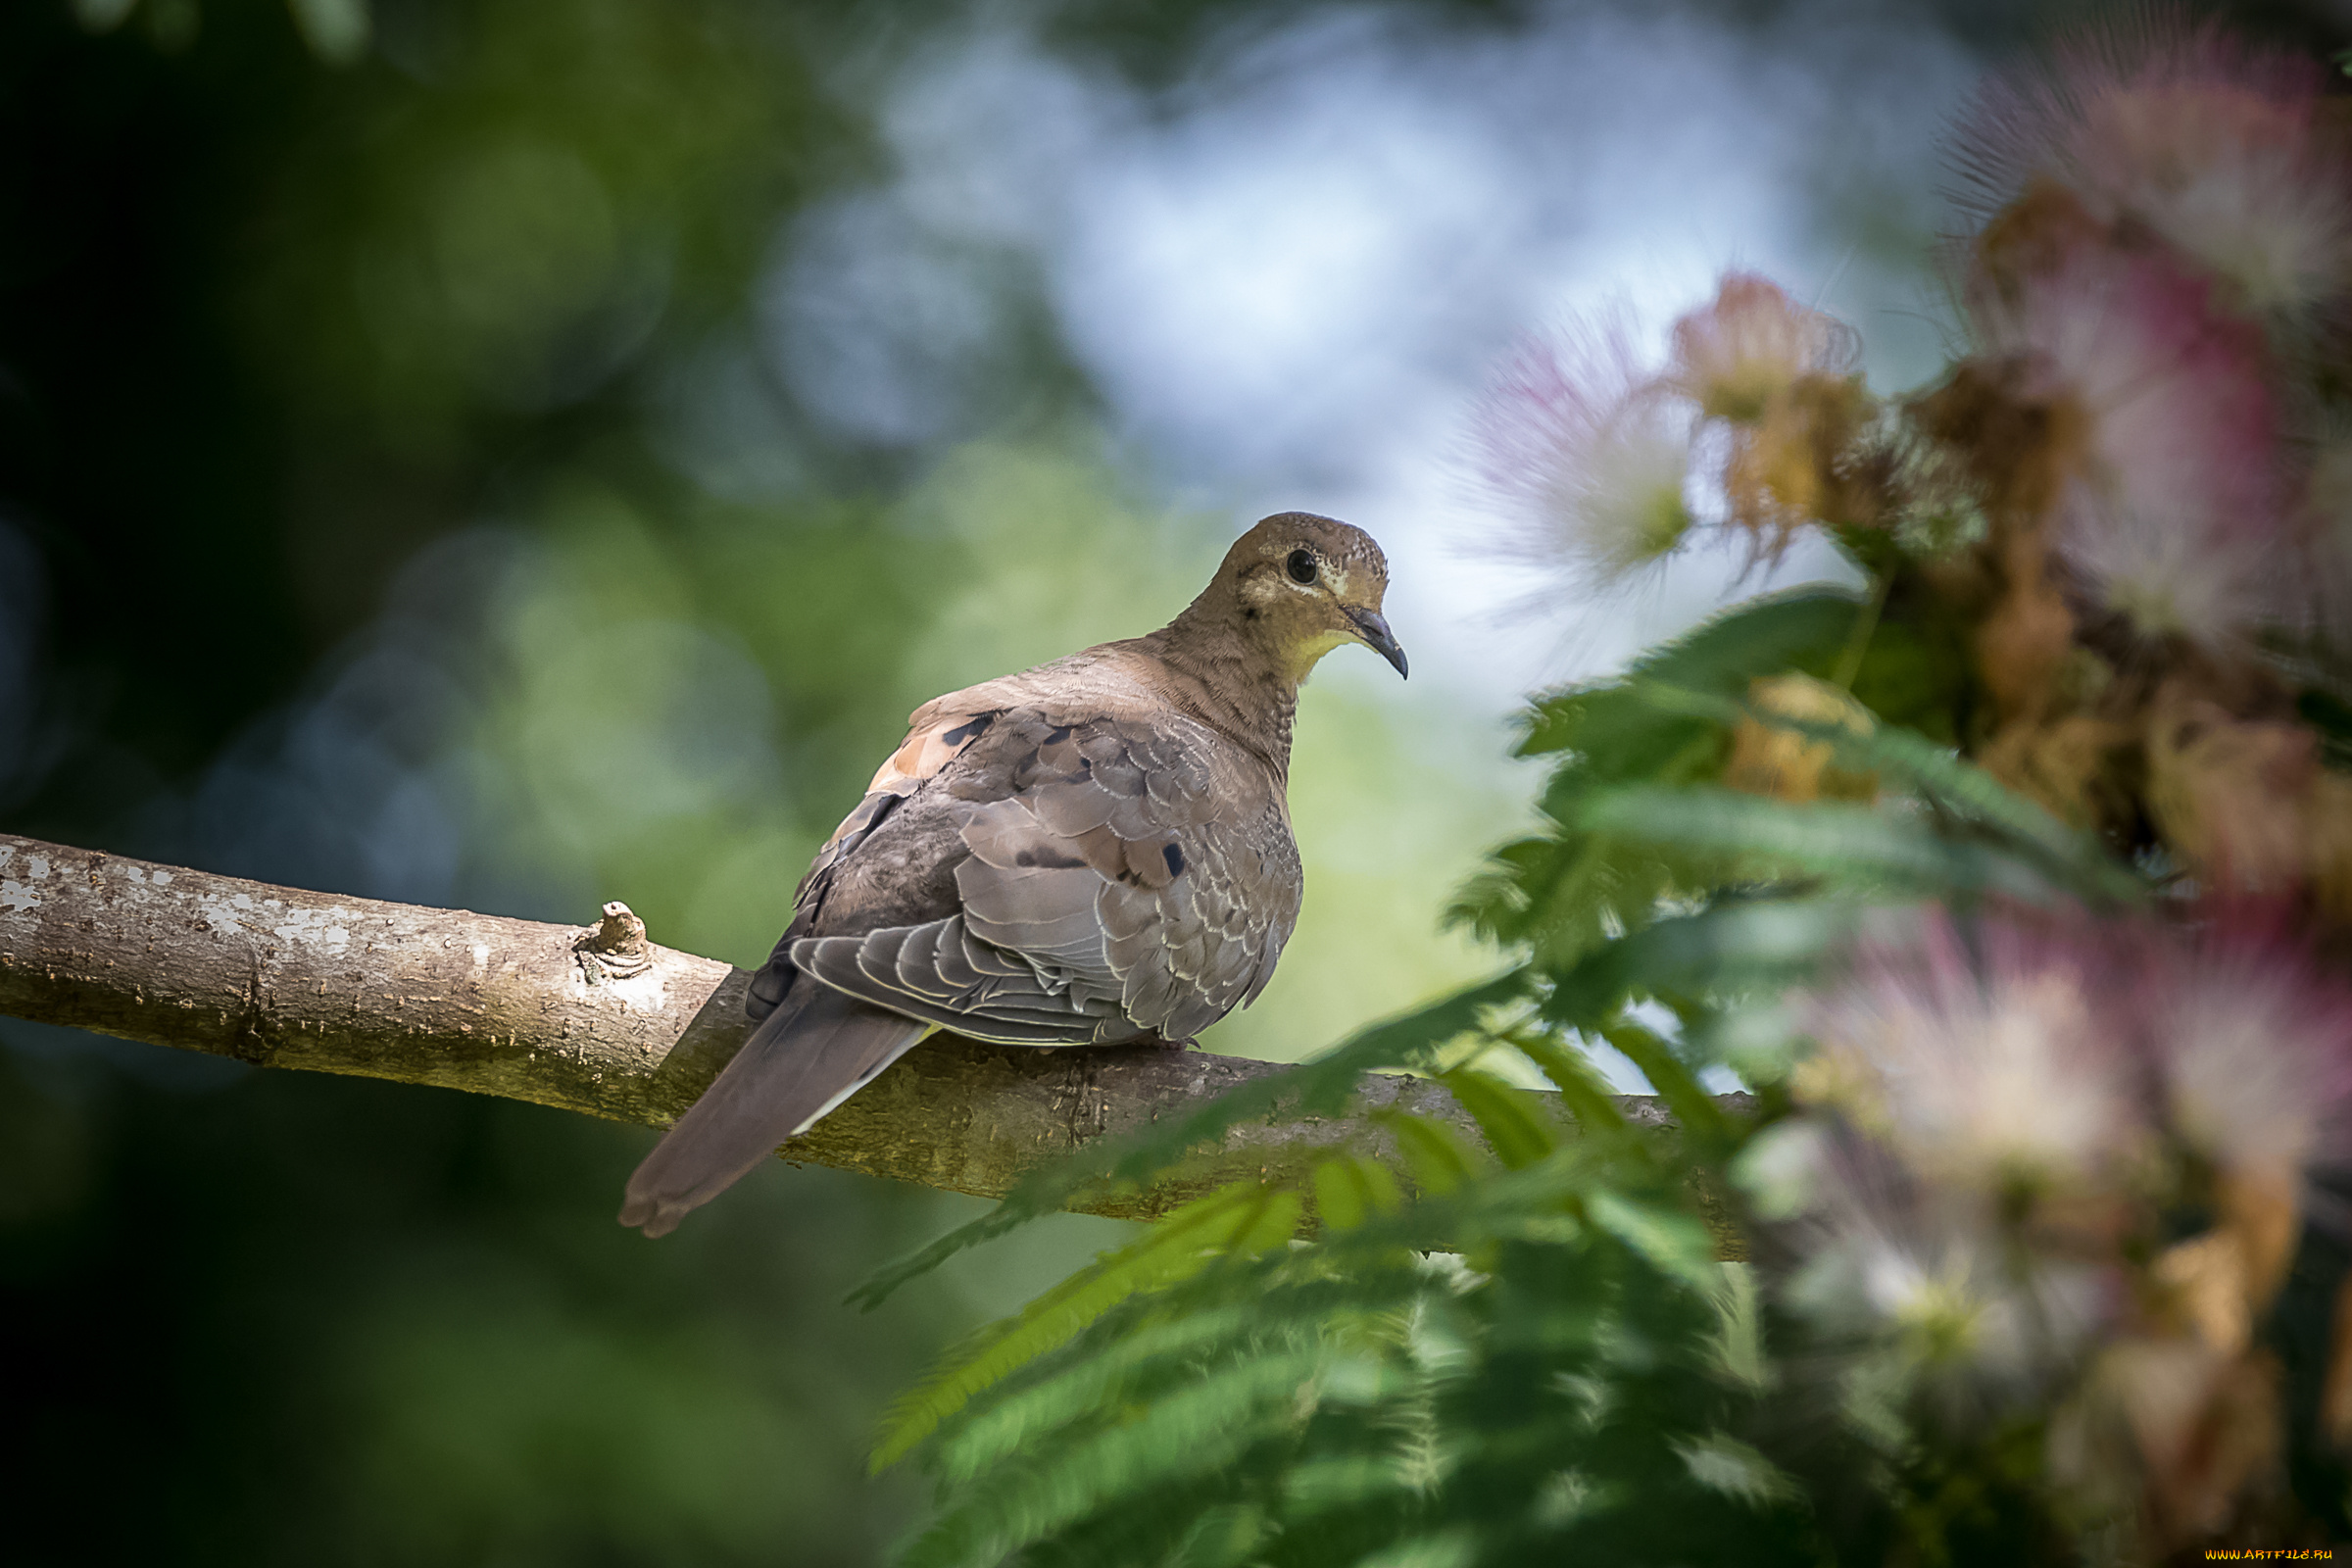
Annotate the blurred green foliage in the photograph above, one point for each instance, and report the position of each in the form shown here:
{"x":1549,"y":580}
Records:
{"x":307,"y":1320}
{"x":340,"y":391}
{"x":271,"y":329}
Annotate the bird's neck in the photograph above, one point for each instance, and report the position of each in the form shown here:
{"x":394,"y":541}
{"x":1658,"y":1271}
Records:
{"x":1239,"y":685}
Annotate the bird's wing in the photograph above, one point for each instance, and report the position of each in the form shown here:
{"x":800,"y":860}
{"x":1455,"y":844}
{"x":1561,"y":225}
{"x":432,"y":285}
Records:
{"x":938,"y":733}
{"x":1115,"y":877}
{"x":937,"y":736}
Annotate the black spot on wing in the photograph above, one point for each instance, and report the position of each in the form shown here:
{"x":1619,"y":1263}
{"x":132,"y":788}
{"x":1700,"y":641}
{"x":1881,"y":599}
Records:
{"x":1175,"y":859}
{"x":972,"y":729}
{"x":1054,"y":859}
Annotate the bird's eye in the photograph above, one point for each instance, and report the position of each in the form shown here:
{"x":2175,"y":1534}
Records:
{"x":1300,"y":565}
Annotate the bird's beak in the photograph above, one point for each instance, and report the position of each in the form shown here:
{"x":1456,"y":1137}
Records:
{"x":1376,"y":635}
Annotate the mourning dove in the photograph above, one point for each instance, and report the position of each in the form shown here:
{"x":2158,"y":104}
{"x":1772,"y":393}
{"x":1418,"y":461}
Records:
{"x":1094,"y":851}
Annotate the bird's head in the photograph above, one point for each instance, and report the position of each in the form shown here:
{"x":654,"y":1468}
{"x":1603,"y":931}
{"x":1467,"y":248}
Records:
{"x":1300,"y":585}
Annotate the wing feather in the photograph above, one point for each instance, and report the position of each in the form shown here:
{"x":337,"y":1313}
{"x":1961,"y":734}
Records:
{"x":1116,"y":878}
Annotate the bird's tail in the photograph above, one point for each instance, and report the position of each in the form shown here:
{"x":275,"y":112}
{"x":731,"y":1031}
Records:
{"x":806,"y":1057}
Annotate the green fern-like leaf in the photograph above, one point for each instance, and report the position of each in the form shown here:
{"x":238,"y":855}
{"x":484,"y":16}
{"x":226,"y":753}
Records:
{"x":1914,"y":761}
{"x":1580,"y":1085}
{"x":1321,"y":1087}
{"x":1349,"y":1189}
{"x":1804,"y":627}
{"x":1518,"y":1137}
{"x":1736,"y":946}
{"x":1866,"y":847}
{"x":1201,"y":1429}
{"x":1441,"y":1163}
{"x":1456,"y":1548}
{"x":1670,"y":1240}
{"x":1184,"y":1330}
{"x":1242,"y":1218}
{"x":1695,"y":1110}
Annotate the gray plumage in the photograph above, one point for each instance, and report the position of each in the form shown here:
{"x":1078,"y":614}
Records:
{"x":1095,"y":851}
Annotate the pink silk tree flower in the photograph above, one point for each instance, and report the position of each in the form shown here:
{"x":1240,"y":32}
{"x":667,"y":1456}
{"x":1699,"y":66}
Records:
{"x":1978,"y":1326}
{"x":2173,"y":515}
{"x":1917,"y":1289}
{"x":2022,"y":1105}
{"x":2255,"y":1046}
{"x":1752,"y":344}
{"x":2253,"y":1050}
{"x":2220,"y":149}
{"x":1777,"y":382}
{"x":1588,"y":454}
{"x":1996,"y":1072}
{"x":2002,"y":1120}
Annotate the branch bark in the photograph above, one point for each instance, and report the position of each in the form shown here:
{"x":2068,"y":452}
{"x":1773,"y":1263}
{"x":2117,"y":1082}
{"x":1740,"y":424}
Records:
{"x":593,"y":1019}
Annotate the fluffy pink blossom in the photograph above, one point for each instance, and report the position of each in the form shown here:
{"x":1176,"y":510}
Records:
{"x":1994,"y":1072}
{"x":1752,"y":342}
{"x":2043,"y":1053}
{"x":2004,"y":1124}
{"x":1926,"y":1275}
{"x":2217,"y":147}
{"x":2253,"y":1045}
{"x":2173,"y":515}
{"x":1588,"y":451}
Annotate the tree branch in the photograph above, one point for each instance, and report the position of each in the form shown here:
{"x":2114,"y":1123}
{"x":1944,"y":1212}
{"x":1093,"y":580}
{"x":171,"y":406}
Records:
{"x":593,"y":1019}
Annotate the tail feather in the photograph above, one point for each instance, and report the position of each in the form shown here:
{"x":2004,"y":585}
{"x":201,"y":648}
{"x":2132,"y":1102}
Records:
{"x":806,"y":1057}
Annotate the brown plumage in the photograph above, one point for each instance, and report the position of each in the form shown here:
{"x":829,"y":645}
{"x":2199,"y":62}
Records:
{"x":1097,"y":850}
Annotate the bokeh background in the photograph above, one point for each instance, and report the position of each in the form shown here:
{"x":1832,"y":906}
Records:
{"x":516,"y":453}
